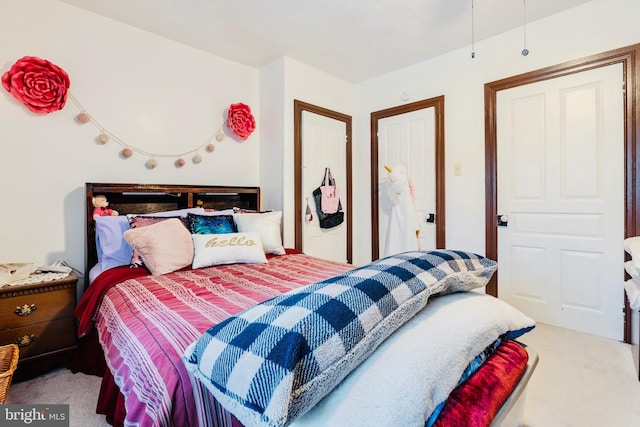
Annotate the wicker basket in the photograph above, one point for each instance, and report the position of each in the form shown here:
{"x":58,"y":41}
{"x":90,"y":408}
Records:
{"x":8,"y":361}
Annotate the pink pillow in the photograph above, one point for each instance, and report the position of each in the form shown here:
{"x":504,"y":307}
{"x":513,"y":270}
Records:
{"x":164,"y":247}
{"x":138,"y":221}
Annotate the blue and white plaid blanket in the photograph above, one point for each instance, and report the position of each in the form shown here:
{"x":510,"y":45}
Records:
{"x":271,"y":363}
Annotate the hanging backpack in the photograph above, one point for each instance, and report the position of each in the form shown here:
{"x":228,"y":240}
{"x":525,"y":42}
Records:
{"x":330,"y":197}
{"x":329,"y":192}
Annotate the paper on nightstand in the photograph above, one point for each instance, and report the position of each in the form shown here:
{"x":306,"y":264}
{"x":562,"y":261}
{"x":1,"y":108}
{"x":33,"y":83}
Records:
{"x":12,"y":272}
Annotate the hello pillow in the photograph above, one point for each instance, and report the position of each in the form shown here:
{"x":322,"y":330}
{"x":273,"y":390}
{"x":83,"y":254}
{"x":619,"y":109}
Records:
{"x":229,"y":248}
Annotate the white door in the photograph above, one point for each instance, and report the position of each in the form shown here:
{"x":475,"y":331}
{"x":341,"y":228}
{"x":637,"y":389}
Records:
{"x":324,"y":142}
{"x":560,"y":150}
{"x":409,"y":139}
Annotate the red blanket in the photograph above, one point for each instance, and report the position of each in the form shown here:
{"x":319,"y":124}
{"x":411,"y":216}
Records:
{"x":476,"y":402}
{"x":92,"y":298}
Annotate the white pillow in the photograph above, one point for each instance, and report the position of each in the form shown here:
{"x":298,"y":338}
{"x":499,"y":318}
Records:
{"x":632,"y":288}
{"x":228,"y":248}
{"x":268,"y":225}
{"x":632,"y":247}
{"x":631,"y":270}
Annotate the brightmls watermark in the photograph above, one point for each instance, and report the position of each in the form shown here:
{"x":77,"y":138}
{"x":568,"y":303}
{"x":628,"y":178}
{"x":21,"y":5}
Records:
{"x":34,"y":415}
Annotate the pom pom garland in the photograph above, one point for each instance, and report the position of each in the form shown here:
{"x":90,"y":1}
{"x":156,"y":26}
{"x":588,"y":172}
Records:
{"x":43,"y":87}
{"x":83,"y":118}
{"x":127,"y":150}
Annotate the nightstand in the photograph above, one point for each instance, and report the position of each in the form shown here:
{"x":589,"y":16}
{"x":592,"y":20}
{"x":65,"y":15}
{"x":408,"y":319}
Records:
{"x":39,"y":319}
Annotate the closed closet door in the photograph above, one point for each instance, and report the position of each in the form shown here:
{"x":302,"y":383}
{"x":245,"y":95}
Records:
{"x":560,"y":152}
{"x":324,"y":144}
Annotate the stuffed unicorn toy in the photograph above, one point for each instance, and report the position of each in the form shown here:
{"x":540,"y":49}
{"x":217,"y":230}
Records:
{"x":404,"y":228}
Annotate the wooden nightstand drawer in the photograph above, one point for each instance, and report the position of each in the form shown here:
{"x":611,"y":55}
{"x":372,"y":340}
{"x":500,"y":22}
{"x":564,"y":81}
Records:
{"x":42,"y":337}
{"x":26,"y":308}
{"x":45,"y":325}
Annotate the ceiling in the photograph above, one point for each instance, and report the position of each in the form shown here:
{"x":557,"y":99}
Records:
{"x":351,"y":39}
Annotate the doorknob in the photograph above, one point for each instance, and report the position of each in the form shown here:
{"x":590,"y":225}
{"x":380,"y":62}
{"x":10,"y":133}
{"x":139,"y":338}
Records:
{"x":503,"y":220}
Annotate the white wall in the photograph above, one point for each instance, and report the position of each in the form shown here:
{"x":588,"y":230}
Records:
{"x":155,"y":94}
{"x":272,"y":106}
{"x":594,"y":27}
{"x":298,"y":81}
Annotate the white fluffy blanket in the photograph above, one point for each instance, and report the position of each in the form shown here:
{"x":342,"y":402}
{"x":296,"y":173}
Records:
{"x":419,"y":365}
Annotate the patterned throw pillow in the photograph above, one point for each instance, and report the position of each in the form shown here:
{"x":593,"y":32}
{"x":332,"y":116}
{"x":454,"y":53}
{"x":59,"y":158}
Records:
{"x":211,"y":224}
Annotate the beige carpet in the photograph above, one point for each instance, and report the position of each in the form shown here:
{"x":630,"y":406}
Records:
{"x":79,"y":391}
{"x":580,"y":381}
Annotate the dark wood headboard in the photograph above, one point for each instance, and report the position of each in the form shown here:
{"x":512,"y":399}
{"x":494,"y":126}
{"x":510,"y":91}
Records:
{"x":151,"y":198}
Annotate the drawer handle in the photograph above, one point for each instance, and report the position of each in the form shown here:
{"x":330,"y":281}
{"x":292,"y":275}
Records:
{"x":26,"y":340}
{"x":25,"y":310}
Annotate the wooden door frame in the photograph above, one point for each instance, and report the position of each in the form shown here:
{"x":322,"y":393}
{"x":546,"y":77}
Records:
{"x":298,"y":108}
{"x":438,"y":104}
{"x":628,"y":57}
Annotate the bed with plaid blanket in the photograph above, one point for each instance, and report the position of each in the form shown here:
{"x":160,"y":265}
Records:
{"x":273,"y":362}
{"x":145,"y":323}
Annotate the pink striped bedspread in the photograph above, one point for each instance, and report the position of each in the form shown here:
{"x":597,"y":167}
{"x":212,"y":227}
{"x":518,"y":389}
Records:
{"x":146,"y":323}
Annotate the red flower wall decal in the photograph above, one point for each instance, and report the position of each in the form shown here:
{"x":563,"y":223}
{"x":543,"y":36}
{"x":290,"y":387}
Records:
{"x":240,"y":120}
{"x":40,"y":85}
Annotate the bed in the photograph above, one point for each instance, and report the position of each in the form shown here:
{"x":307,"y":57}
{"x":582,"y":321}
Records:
{"x":270,"y":336}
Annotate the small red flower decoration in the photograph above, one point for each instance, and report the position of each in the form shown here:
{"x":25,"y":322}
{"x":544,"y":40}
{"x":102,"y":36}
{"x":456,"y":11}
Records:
{"x":240,"y":120}
{"x":38,"y":84}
